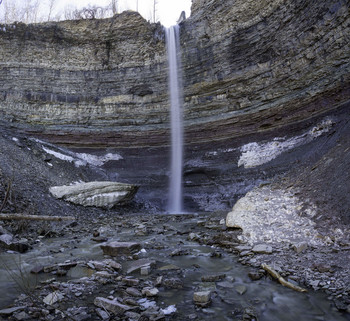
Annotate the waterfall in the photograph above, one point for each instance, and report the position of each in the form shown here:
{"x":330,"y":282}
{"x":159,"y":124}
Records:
{"x":176,"y":104}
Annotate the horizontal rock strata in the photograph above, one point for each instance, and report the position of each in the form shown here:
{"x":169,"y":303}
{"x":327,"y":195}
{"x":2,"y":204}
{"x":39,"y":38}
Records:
{"x":247,"y":67}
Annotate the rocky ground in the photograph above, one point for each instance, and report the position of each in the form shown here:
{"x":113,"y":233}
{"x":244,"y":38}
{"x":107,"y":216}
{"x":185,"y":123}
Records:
{"x":162,"y":267}
{"x":182,"y":266}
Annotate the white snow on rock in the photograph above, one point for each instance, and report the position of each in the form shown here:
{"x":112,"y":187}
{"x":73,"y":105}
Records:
{"x":274,"y":216}
{"x":169,"y":310}
{"x":100,"y":193}
{"x":255,"y":154}
{"x":82,"y":159}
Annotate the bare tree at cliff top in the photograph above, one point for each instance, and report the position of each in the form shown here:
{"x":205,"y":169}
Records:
{"x":51,"y":6}
{"x":27,"y":11}
{"x":114,"y":5}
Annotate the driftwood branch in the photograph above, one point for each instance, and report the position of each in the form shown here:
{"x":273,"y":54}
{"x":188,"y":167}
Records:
{"x":20,"y":216}
{"x":281,"y":280}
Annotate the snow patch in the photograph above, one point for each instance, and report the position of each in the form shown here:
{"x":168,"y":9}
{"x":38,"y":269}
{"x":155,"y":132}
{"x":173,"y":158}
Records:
{"x":58,"y":155}
{"x":275,"y":216}
{"x":169,"y":310}
{"x":145,"y":303}
{"x":82,"y":159}
{"x":255,"y":154}
{"x":98,"y":160}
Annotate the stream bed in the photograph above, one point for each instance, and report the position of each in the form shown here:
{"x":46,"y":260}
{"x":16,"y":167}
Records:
{"x":175,"y":264}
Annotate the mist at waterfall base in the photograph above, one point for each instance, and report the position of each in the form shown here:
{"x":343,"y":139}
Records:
{"x":175,"y":204}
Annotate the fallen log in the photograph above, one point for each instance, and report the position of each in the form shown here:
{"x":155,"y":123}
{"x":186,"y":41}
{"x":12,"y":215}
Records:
{"x":4,"y":217}
{"x":281,"y":280}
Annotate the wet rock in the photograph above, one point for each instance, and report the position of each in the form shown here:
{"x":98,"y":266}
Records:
{"x":202,"y":298}
{"x":9,"y":311}
{"x":145,"y":270}
{"x":320,"y":267}
{"x":132,"y":316}
{"x":169,"y":267}
{"x":112,"y":264}
{"x":133,"y":292}
{"x":104,"y":315}
{"x":179,"y":252}
{"x":240,"y":289}
{"x":193,"y":237}
{"x":133,"y":266}
{"x":255,"y":275}
{"x":120,"y":248}
{"x":130,"y":281}
{"x":150,"y":292}
{"x":7,"y":241}
{"x":21,"y":316}
{"x":37,"y":269}
{"x":53,"y":297}
{"x":262,"y":249}
{"x":242,"y":248}
{"x":78,"y":314}
{"x":216,"y":254}
{"x":113,"y":306}
{"x":213,"y":278}
{"x":99,"y":239}
{"x":141,"y":230}
{"x":100,"y":194}
{"x":249,"y":314}
{"x":300,"y":247}
{"x":173,"y":283}
{"x":67,"y":265}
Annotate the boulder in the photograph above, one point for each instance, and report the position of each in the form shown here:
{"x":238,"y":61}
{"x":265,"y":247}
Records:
{"x":202,"y":298}
{"x":101,"y":194}
{"x":120,"y":248}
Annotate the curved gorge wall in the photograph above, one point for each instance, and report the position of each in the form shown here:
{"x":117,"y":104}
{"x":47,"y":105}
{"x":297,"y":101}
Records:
{"x":248,"y":66}
{"x":255,"y":65}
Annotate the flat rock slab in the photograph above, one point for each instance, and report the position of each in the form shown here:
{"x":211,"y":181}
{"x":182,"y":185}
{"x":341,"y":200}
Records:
{"x":120,"y":248}
{"x":112,"y":305}
{"x":9,"y":311}
{"x":262,"y":249}
{"x":133,"y":266}
{"x":103,"y":194}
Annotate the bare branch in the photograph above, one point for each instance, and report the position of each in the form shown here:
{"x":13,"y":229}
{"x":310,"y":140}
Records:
{"x":20,"y":216}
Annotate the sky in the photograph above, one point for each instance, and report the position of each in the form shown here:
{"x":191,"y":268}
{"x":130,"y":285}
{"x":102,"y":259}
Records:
{"x":168,"y":11}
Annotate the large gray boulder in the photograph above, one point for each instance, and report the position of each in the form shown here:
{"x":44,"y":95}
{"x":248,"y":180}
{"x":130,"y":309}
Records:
{"x":101,"y":194}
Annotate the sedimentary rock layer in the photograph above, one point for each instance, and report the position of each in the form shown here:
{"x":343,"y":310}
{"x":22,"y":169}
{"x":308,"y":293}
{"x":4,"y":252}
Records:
{"x":248,"y":67}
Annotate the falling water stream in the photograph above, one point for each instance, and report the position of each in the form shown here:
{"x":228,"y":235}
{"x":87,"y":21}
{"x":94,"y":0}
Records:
{"x":176,"y":104}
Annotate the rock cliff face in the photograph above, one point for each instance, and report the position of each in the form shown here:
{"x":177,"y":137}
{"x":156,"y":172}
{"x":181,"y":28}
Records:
{"x":248,"y":66}
{"x":256,"y":65}
{"x":76,"y":79}
{"x":255,"y":72}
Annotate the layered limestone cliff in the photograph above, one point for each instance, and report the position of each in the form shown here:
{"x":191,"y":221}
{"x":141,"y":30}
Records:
{"x":248,"y":67}
{"x":255,"y":65}
{"x":81,"y":81}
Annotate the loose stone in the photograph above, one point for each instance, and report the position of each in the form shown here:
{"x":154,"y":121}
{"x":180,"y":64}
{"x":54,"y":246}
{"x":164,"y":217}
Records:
{"x":104,"y":315}
{"x":133,"y":292}
{"x":300,"y":247}
{"x":119,"y":248}
{"x":213,"y":278}
{"x":150,"y":292}
{"x":202,"y":298}
{"x":262,"y":249}
{"x":111,"y":305}
{"x":53,"y":297}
